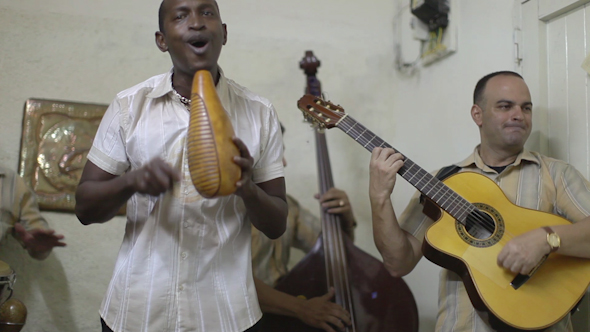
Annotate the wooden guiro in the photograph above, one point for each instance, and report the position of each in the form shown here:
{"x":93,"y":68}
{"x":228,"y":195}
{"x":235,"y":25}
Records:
{"x":210,"y":147}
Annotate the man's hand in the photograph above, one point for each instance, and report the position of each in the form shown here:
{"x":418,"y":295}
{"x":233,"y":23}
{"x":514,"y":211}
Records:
{"x":524,"y":252}
{"x":154,"y":178}
{"x":245,"y":161}
{"x":336,"y":201}
{"x":266,"y":204}
{"x":38,"y":242}
{"x":383,"y":168}
{"x":320,"y":312}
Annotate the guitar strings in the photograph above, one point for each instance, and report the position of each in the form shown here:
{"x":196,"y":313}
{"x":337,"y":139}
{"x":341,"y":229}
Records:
{"x":465,"y":207}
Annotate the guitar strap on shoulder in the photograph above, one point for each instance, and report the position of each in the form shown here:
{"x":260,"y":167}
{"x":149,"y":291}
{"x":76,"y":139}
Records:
{"x":445,"y":172}
{"x":442,"y":174}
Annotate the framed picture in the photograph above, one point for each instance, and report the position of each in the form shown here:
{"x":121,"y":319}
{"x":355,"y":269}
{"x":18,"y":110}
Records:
{"x":56,"y":138}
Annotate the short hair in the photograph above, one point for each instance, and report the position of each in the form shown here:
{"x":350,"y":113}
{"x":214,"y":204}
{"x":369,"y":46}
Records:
{"x":481,"y":85}
{"x":162,"y":13}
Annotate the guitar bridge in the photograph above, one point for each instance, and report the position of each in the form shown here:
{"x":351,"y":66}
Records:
{"x":521,"y":279}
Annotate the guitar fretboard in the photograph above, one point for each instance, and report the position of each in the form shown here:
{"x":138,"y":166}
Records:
{"x":426,"y":183}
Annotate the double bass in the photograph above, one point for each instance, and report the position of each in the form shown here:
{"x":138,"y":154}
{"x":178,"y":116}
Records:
{"x":376,"y":301}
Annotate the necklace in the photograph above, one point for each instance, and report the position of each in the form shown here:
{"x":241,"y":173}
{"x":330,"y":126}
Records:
{"x":185,"y":101}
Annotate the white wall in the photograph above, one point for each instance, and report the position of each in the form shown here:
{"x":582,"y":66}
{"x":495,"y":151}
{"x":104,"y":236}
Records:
{"x":88,"y":51}
{"x":429,"y":120}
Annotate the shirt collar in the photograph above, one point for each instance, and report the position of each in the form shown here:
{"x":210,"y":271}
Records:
{"x":164,"y":87}
{"x":475,"y":159}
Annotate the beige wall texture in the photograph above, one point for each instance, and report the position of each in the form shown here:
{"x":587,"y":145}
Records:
{"x":87,"y":51}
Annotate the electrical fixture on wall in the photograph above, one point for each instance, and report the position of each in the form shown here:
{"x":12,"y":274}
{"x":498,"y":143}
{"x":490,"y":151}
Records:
{"x":435,"y":24}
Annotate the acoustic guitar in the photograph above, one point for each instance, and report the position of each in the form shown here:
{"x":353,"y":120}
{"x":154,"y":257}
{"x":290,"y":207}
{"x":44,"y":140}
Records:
{"x":477,"y":220}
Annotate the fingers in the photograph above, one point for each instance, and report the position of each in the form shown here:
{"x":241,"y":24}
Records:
{"x":385,"y":158}
{"x":43,"y":239}
{"x":328,"y":296}
{"x":155,"y":177}
{"x":244,"y":153}
{"x":334,"y":194}
{"x":515,"y":263}
{"x":334,"y":313}
{"x":20,"y":229}
{"x":335,"y":201}
{"x":245,"y":161}
{"x":338,"y":317}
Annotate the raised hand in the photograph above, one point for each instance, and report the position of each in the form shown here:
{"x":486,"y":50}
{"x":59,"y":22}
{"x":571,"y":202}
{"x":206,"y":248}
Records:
{"x":384,"y":165}
{"x":38,"y":242}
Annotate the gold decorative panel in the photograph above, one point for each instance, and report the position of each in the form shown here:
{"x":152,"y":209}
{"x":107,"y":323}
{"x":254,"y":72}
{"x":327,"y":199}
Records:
{"x":56,"y":138}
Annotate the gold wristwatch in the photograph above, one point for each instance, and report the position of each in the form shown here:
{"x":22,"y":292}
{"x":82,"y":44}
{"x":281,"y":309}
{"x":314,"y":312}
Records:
{"x":552,"y":239}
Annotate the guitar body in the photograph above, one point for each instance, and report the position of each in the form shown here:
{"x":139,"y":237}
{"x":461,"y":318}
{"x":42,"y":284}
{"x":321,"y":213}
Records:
{"x":552,"y":291}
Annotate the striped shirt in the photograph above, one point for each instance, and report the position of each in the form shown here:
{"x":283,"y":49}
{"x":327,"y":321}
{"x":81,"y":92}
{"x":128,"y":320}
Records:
{"x":184,"y":264}
{"x":533,"y":181}
{"x":270,"y":258}
{"x":17,"y":204}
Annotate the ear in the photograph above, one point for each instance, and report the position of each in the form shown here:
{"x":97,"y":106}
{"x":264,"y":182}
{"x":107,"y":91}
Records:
{"x":477,"y":114}
{"x":224,"y":33}
{"x":161,"y":41}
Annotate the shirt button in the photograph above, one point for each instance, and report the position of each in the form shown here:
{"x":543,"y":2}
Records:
{"x":183,"y":255}
{"x":181,"y":288}
{"x":186,"y":224}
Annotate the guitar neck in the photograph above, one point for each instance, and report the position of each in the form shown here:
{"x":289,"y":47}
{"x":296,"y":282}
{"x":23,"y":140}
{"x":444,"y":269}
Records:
{"x":426,"y":183}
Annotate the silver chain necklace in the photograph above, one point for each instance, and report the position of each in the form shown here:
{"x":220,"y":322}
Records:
{"x":185,"y":101}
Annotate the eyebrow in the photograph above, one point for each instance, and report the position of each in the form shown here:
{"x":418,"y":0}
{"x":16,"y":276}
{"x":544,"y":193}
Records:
{"x":199,"y":7}
{"x":512,"y":102}
{"x":182,"y":8}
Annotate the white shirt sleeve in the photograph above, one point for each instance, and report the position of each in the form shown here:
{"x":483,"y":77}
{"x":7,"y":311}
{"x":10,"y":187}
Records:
{"x":108,"y":148}
{"x":270,"y":164}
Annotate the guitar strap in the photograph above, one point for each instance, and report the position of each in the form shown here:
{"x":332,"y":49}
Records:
{"x":445,"y":172}
{"x":442,"y":174}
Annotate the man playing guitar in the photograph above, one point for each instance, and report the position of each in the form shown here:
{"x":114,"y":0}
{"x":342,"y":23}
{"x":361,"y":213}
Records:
{"x":502,"y":110}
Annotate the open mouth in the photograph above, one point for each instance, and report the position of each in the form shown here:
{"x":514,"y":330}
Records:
{"x":199,"y":44}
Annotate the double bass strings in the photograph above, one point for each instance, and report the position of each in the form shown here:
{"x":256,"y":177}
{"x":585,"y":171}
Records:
{"x":335,"y":255}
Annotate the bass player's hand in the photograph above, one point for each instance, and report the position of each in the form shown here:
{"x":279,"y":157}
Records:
{"x":320,"y":312}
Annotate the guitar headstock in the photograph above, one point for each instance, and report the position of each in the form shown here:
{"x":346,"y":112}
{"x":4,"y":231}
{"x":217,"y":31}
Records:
{"x":319,"y":111}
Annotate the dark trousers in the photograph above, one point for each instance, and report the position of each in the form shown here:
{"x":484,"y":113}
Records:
{"x":105,"y":328}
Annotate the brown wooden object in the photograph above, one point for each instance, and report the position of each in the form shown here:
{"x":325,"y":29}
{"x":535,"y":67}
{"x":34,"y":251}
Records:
{"x":210,"y":146}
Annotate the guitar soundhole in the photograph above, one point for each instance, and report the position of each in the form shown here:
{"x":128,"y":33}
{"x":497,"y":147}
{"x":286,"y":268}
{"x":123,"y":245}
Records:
{"x":483,"y":227}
